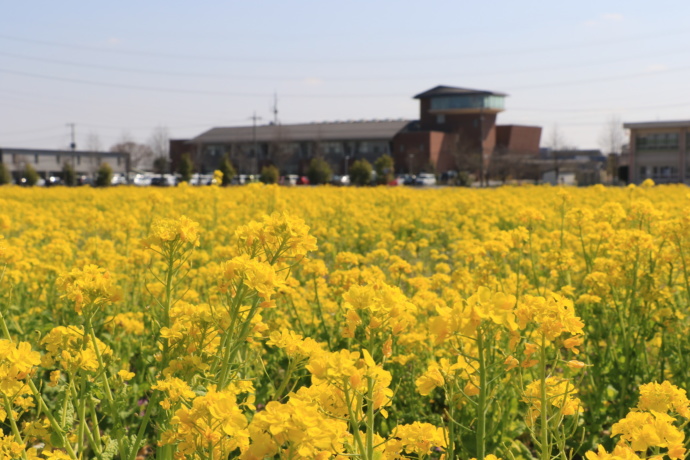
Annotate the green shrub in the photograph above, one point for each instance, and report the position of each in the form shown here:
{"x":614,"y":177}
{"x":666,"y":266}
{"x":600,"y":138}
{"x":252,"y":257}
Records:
{"x":5,"y":177}
{"x":31,"y":175}
{"x":228,"y":170}
{"x":384,"y":166}
{"x":104,"y":176}
{"x":185,"y":168}
{"x":360,"y":173}
{"x":269,"y":175}
{"x":69,"y":177}
{"x":319,"y":172}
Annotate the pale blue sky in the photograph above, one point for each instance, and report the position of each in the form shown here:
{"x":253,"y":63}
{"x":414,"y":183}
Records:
{"x":129,"y":66}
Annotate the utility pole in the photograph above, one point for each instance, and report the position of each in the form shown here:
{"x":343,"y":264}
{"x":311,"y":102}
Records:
{"x":73,"y":144}
{"x":275,"y":108}
{"x":254,"y":118}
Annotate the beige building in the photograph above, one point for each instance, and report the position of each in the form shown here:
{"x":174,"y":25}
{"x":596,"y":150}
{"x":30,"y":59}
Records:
{"x":50,"y":162}
{"x":659,"y":150}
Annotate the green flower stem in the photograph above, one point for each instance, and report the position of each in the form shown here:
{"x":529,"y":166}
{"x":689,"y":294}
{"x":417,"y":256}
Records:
{"x":119,"y":431}
{"x":288,"y":374}
{"x":450,"y":398}
{"x":84,"y":430}
{"x":319,"y":312}
{"x":80,"y":404}
{"x":354,"y":423}
{"x":482,"y":403}
{"x":13,"y":423}
{"x":141,"y":433}
{"x":96,"y":428}
{"x":370,"y":418}
{"x":53,"y":423}
{"x":544,"y":432}
{"x":235,"y":345}
{"x":41,"y":403}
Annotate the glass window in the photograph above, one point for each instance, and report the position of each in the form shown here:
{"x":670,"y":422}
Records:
{"x":440,"y":119}
{"x":657,"y":141}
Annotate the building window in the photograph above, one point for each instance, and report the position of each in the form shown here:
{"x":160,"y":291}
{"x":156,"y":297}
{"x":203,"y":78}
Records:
{"x":57,"y":159}
{"x":78,"y":159}
{"x":119,"y":160}
{"x":36,"y":159}
{"x":657,"y":141}
{"x":468,"y":101}
{"x":440,"y":119}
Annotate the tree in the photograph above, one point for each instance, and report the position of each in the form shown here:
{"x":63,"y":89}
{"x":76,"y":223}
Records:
{"x":319,"y":172}
{"x":228,"y":170}
{"x":5,"y":177}
{"x":269,"y":175}
{"x":360,"y":172}
{"x":30,"y":175}
{"x":104,"y":176}
{"x":384,"y":169}
{"x":159,"y":142}
{"x":556,"y":143}
{"x":612,"y":136}
{"x":160,"y":165}
{"x":69,"y":177}
{"x":93,"y":142}
{"x":140,"y":155}
{"x":186,"y":167}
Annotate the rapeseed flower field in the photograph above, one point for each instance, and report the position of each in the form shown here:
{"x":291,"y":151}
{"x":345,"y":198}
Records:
{"x":318,"y":323}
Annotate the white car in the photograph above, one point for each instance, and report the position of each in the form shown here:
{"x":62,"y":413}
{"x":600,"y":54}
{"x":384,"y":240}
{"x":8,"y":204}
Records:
{"x":201,"y":179}
{"x":425,"y":179}
{"x":118,"y":179}
{"x":142,"y":180}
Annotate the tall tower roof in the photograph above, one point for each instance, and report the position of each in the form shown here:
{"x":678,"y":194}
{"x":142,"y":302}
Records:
{"x":455,"y":91}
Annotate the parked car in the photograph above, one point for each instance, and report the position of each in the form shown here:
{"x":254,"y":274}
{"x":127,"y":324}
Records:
{"x":164,"y":180}
{"x":303,"y":180}
{"x":341,"y":180}
{"x":201,"y":179}
{"x":142,"y":180}
{"x":289,"y":179}
{"x":398,"y":180}
{"x":425,"y":179}
{"x":118,"y":179}
{"x":53,"y":180}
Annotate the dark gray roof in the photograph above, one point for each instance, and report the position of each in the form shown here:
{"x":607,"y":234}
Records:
{"x":658,"y":124}
{"x":337,"y":131}
{"x":453,"y":90}
{"x":25,"y":151}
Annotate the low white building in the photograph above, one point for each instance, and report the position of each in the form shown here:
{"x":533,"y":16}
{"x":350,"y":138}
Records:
{"x":51,"y":162}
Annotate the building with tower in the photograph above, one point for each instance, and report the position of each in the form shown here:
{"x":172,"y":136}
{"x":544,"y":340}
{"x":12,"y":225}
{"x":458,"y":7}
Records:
{"x":456,"y":131}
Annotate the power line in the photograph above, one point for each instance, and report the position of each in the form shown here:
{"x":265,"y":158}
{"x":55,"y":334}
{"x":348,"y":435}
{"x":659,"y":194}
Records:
{"x":377,"y":95}
{"x":30,"y":131}
{"x":186,"y":91}
{"x":445,"y":56}
{"x":396,"y":77}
